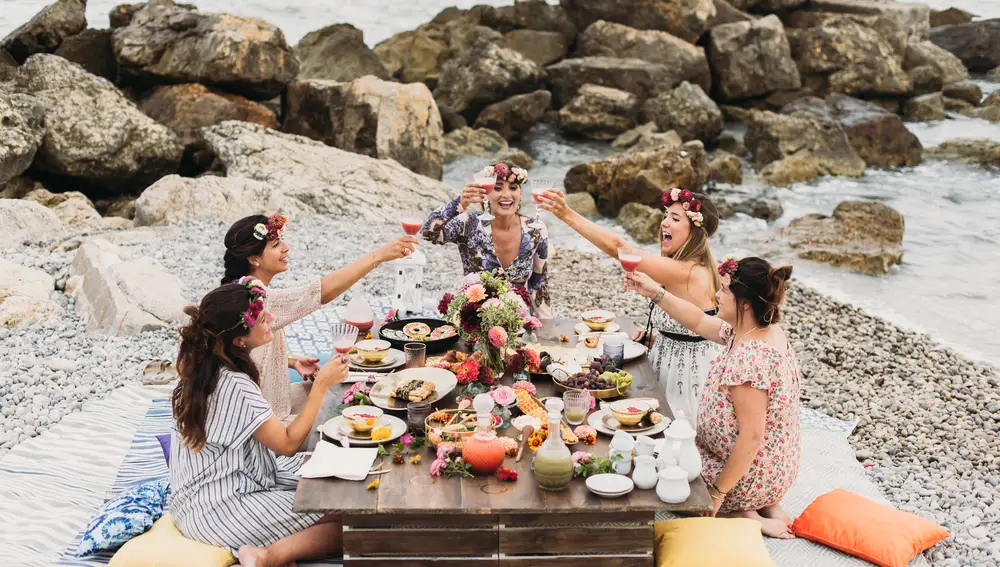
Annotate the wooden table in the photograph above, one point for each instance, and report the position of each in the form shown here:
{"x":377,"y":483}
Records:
{"x":414,"y":519}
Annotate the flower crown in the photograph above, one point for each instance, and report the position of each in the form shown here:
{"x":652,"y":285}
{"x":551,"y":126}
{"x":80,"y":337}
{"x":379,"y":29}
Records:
{"x":692,"y":206}
{"x":257,"y":294}
{"x":727,"y":269}
{"x":506,"y":173}
{"x":273,"y":230}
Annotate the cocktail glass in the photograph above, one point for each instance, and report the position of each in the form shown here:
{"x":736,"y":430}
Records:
{"x":538,"y":188}
{"x":486,"y":182}
{"x":412,"y":222}
{"x":630,"y":258}
{"x":344,"y":336}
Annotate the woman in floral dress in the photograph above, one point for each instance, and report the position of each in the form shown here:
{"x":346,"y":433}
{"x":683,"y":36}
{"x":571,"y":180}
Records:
{"x":748,"y":418}
{"x":510,"y":246}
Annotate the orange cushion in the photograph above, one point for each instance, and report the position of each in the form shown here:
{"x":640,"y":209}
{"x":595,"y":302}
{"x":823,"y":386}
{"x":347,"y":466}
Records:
{"x":866,"y":529}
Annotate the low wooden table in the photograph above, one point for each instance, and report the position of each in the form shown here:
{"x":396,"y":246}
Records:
{"x":415,"y":519}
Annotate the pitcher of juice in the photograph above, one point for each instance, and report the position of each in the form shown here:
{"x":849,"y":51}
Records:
{"x":359,"y":313}
{"x":553,"y":465}
{"x":483,"y":451}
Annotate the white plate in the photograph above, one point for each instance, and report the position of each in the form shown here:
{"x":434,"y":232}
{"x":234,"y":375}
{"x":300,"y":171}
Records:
{"x":581,"y":328}
{"x":393,"y":359}
{"x":596,"y":420}
{"x":633,"y":350}
{"x":444,"y":382}
{"x":338,"y":424}
{"x":610,"y":485}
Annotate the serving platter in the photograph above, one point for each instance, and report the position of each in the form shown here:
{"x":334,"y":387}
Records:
{"x":389,"y":332}
{"x":444,"y":382}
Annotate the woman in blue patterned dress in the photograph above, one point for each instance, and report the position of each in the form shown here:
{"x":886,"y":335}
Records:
{"x":510,"y":245}
{"x":233,"y":465}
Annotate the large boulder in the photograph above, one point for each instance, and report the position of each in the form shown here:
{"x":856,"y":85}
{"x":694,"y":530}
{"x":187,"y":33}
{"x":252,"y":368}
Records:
{"x":516,"y":115}
{"x":950,"y":17}
{"x":337,"y":53}
{"x":539,"y":15}
{"x":688,"y":111}
{"x":210,"y":198}
{"x":686,"y":19}
{"x":599,"y":113}
{"x":641,"y":222}
{"x":483,"y":75}
{"x":990,"y":109}
{"x":8,"y":68}
{"x":923,"y":52}
{"x":168,"y":43}
{"x":91,"y":49}
{"x":896,"y":22}
{"x":977,"y":44}
{"x":377,"y":118}
{"x":862,"y":236}
{"x":752,"y":59}
{"x":983,"y":152}
{"x":75,"y":209}
{"x":582,"y":203}
{"x":22,"y":126}
{"x":468,"y":141}
{"x":46,"y":30}
{"x":608,"y":39}
{"x":418,"y":55}
{"x":753,"y":200}
{"x":925,"y":107}
{"x":331,"y":181}
{"x":965,"y":91}
{"x":878,"y":136}
{"x":188,"y":108}
{"x":726,"y":168}
{"x":93,"y":131}
{"x":27,"y":221}
{"x":658,"y":141}
{"x":726,"y":13}
{"x":641,"y":78}
{"x":541,"y":47}
{"x":925,"y":79}
{"x":639,"y":177}
{"x":24,"y":295}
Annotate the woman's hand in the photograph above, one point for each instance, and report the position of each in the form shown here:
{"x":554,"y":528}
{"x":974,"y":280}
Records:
{"x":306,"y":367}
{"x":471,"y":194}
{"x":399,"y":248}
{"x":554,"y":201}
{"x":332,"y":373}
{"x":641,"y":283}
{"x":717,"y":504}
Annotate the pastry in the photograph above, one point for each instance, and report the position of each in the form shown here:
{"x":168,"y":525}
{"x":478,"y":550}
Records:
{"x":443,"y":332}
{"x":591,"y":341}
{"x":655,"y":418}
{"x":415,"y":330}
{"x":413,"y":390}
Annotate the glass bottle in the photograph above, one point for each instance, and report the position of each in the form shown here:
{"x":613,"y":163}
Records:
{"x":359,"y":313}
{"x":552,"y":464}
{"x":483,"y":450}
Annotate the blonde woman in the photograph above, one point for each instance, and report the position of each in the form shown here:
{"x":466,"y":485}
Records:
{"x":686,"y":269}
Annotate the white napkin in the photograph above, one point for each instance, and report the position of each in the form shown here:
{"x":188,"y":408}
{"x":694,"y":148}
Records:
{"x":330,"y":460}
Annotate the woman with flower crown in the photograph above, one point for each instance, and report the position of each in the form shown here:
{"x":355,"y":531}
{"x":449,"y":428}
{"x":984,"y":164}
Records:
{"x":686,"y":268}
{"x":255,"y":246}
{"x":511,"y":246}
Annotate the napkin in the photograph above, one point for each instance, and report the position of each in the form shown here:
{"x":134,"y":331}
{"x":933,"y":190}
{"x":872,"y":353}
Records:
{"x":330,"y":460}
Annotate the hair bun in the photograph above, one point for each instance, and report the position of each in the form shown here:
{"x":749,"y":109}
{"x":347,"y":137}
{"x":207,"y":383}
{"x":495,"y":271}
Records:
{"x":780,"y":275}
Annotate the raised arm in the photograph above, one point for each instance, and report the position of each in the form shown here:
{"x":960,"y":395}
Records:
{"x":453,"y":222}
{"x":685,"y":312}
{"x":335,"y":283}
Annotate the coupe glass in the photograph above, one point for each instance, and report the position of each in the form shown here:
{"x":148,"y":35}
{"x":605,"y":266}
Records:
{"x":344,"y":336}
{"x":538,"y":188}
{"x":486,"y":182}
{"x":630,"y":258}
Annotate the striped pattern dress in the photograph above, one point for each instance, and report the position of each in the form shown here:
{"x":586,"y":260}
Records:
{"x":235,"y":491}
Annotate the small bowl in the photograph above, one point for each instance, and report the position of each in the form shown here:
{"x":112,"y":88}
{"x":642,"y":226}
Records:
{"x":620,"y":411}
{"x":597,"y":319}
{"x":373,"y":350}
{"x":362,"y":418}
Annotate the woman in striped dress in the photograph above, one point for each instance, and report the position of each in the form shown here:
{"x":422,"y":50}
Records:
{"x":233,"y":466}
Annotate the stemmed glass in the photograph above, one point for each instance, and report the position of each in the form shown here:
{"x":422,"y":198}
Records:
{"x":412,"y":221}
{"x":630,"y":258}
{"x":486,"y":181}
{"x":538,"y":188}
{"x":344,"y":336}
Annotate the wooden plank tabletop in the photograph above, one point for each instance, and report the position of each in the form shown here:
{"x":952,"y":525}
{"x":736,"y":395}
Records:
{"x":409,"y":488}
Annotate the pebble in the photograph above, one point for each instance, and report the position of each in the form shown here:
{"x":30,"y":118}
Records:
{"x":978,"y":533}
{"x":972,"y":522}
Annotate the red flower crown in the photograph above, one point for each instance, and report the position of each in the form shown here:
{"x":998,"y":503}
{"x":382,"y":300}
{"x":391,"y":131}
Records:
{"x":273,"y":230}
{"x":727,"y":269}
{"x":692,"y":206}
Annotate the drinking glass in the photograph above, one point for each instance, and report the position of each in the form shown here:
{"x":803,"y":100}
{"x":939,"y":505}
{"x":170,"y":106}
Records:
{"x":416,"y":415}
{"x":614,"y":349}
{"x":538,"y":188}
{"x":344,"y":336}
{"x":415,"y":355}
{"x":630,"y":258}
{"x":576,"y":402}
{"x":486,"y":182}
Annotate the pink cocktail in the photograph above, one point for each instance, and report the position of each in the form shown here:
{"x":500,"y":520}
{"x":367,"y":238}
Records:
{"x":343,"y":337}
{"x":630,"y":258}
{"x":487,"y":183}
{"x":411,"y":228}
{"x":343,"y":347}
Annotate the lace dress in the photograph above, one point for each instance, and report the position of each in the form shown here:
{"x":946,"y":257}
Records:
{"x":681,"y":365}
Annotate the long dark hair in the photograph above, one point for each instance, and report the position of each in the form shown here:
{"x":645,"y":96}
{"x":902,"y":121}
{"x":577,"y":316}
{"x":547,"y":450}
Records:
{"x":206,"y":347}
{"x":241,"y":244}
{"x":757,"y":284}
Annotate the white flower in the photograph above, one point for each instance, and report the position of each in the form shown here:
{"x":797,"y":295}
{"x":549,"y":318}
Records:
{"x":260,"y":231}
{"x":675,"y":194}
{"x":513,"y":296}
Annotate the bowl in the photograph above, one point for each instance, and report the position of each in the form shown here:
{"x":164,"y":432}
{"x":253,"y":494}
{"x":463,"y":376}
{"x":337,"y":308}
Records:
{"x":628,"y":412}
{"x":362,"y":418}
{"x":597,"y":319}
{"x":373,"y":350}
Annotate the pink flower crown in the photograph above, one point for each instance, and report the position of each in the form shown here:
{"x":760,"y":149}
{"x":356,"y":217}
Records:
{"x":257,"y":294}
{"x":508,"y":174}
{"x":727,"y":269}
{"x":273,"y":230}
{"x":692,"y":206}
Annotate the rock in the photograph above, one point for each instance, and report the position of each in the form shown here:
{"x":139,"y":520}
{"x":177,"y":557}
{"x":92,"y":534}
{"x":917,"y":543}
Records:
{"x":977,"y":44}
{"x":24,"y":295}
{"x":541,"y":47}
{"x":22,"y":127}
{"x":810,"y":147}
{"x":124,"y":295}
{"x":896,"y":22}
{"x":852,"y":59}
{"x":919,"y":53}
{"x":472,"y":142}
{"x":166,"y":42}
{"x":629,"y":139}
{"x":983,"y":152}
{"x":751,"y":59}
{"x":331,"y":181}
{"x":656,"y":140}
{"x":686,"y":19}
{"x":726,"y":13}
{"x":607,"y":39}
{"x":483,"y":75}
{"x":599,"y":113}
{"x":993,"y":75}
{"x":22,"y":221}
{"x":369,"y":116}
{"x":755,"y":201}
{"x":451,"y":120}
{"x":91,"y":49}
{"x":768,"y":6}
{"x":337,"y":53}
{"x":639,"y":177}
{"x":642,"y":223}
{"x":732,"y":144}
{"x":979,"y":532}
{"x":925,"y":79}
{"x":726,"y":168}
{"x":123,"y":207}
{"x":46,"y":30}
{"x":956,"y":105}
{"x":862,"y":236}
{"x":582,"y":203}
{"x":641,"y":78}
{"x":949,"y":17}
{"x":8,"y":68}
{"x":686,"y":110}
{"x":72,"y":207}
{"x":93,"y":131}
{"x":188,"y":108}
{"x":925,"y":107}
{"x":539,"y":15}
{"x":878,"y":136}
{"x":515,"y":156}
{"x":516,"y":115}
{"x":418,"y":55}
{"x":964,"y":90}
{"x":222,"y":199}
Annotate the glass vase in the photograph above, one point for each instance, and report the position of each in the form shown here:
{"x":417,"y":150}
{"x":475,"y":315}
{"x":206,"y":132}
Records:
{"x":493,"y":358}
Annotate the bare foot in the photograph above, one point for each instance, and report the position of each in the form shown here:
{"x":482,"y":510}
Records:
{"x":775,"y":513}
{"x":251,"y":556}
{"x":768,"y":526}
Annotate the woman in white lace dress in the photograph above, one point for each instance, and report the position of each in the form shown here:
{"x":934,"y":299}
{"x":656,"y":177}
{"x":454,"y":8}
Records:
{"x":685,"y":268}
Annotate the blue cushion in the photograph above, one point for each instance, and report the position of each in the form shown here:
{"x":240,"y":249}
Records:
{"x":165,"y":445}
{"x":124,"y":517}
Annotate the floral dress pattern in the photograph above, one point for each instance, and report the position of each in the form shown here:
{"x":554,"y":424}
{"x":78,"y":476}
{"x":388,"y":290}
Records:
{"x":450,"y":224}
{"x":776,"y":464}
{"x":681,"y":366}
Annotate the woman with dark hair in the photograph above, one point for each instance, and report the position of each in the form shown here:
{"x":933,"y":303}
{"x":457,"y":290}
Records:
{"x":255,"y":247}
{"x":686,"y":268}
{"x":512,"y":245}
{"x":748,"y":419}
{"x":233,"y":466}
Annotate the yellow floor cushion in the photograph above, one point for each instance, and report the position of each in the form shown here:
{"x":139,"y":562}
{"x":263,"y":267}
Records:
{"x":710,"y":542}
{"x":164,"y":546}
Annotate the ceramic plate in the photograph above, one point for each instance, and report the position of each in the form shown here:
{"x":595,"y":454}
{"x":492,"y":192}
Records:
{"x":596,"y":420}
{"x":339,"y":425}
{"x":611,"y":423}
{"x":581,"y":328}
{"x":444,"y":382}
{"x":633,"y":350}
{"x":393,"y":359}
{"x":610,"y":485}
